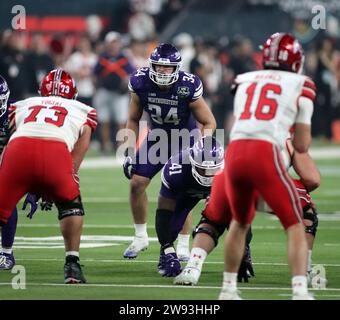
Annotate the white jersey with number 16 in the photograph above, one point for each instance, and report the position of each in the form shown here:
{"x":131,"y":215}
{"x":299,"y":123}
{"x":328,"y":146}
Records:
{"x":267,"y":104}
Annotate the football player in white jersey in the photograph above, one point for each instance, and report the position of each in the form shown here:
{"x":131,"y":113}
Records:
{"x":267,"y":105}
{"x":50,"y":136}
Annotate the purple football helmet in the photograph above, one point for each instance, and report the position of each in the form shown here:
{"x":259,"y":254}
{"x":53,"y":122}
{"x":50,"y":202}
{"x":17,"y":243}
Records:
{"x":165,"y":55}
{"x":207,"y":160}
{"x":4,"y":94}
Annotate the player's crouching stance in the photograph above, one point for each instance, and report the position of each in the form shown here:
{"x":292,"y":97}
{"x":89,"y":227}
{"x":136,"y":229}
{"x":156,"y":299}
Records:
{"x":215,"y":219}
{"x":51,"y":135}
{"x":186,"y":179}
{"x":217,"y":215}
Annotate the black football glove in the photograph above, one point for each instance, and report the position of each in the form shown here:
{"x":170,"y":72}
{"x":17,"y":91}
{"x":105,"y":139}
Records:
{"x":46,"y":205}
{"x":128,"y":163}
{"x":32,"y":200}
{"x":246,"y":269}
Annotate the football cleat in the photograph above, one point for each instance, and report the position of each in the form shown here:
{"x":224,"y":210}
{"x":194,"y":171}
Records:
{"x":229,"y":295}
{"x":161,"y":263}
{"x":183,"y":253}
{"x":306,"y":296}
{"x":171,"y":265}
{"x":138,"y":244}
{"x":188,"y":277}
{"x":72,"y":271}
{"x":7,"y":261}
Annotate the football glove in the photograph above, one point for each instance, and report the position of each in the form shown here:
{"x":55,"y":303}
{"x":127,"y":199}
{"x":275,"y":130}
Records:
{"x":246,"y":269}
{"x":46,"y":205}
{"x":128,"y":162}
{"x":32,"y":200}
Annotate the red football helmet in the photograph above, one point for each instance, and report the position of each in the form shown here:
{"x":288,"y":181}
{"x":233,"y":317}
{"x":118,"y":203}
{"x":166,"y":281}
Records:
{"x":282,"y":51}
{"x":58,"y":83}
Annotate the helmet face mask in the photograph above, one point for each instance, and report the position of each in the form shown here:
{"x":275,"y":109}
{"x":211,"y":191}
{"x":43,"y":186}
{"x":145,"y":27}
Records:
{"x":4,"y":95}
{"x":58,"y":83}
{"x":207,"y":160}
{"x":165,"y":55}
{"x":283,"y":52}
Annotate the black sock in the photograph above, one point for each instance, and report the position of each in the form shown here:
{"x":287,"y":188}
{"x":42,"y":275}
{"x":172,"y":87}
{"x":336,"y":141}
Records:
{"x":163,"y":227}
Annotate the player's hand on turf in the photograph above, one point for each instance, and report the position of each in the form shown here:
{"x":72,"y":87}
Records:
{"x":246,"y":269}
{"x":32,"y":200}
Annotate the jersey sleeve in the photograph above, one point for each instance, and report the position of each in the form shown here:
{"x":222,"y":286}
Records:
{"x":166,"y":188}
{"x":137,"y":80}
{"x":91,"y":119}
{"x":172,"y":176}
{"x":197,"y":90}
{"x":308,"y":89}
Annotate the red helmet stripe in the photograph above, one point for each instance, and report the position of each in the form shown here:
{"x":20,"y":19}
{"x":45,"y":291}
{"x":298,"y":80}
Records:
{"x":274,"y":46}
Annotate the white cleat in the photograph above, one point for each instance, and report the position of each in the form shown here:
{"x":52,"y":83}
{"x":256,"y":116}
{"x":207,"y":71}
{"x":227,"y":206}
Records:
{"x":306,"y":296}
{"x":188,"y":277}
{"x":229,"y":295}
{"x":138,"y":244}
{"x":183,"y":253}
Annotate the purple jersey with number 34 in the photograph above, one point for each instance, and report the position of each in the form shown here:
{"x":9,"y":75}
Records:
{"x":168,"y":109}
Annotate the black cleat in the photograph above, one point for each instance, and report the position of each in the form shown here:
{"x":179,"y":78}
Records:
{"x":72,"y":271}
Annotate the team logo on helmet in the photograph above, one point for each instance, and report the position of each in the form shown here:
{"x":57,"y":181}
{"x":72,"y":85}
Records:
{"x":207,"y":160}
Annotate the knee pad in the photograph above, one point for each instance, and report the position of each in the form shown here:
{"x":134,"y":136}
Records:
{"x":215,"y":232}
{"x":313,"y":217}
{"x":70,"y":208}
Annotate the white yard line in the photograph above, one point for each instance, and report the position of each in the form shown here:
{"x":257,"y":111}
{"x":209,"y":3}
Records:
{"x":113,"y":285}
{"x":156,"y":261}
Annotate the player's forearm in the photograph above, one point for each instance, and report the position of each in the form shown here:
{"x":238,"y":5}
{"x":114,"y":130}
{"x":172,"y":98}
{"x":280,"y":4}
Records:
{"x":132,"y":128}
{"x":306,"y":169}
{"x":80,"y":148}
{"x":208,"y":128}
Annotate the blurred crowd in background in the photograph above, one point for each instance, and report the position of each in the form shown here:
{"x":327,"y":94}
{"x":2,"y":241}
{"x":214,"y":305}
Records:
{"x":102,"y":57}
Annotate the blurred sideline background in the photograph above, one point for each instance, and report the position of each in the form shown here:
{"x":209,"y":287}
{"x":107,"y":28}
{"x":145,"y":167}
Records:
{"x":97,"y":41}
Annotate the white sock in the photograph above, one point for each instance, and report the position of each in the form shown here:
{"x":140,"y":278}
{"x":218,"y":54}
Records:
{"x":197,"y":258}
{"x":229,"y":280}
{"x":72,"y":253}
{"x":183,"y":240}
{"x":309,"y":265}
{"x":7,"y":250}
{"x":140,"y":230}
{"x":299,"y":285}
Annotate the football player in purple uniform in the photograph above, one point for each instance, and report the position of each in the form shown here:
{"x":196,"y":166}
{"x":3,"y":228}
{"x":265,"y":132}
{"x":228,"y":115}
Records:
{"x":7,"y":260}
{"x":173,"y":100}
{"x":186,"y":179}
